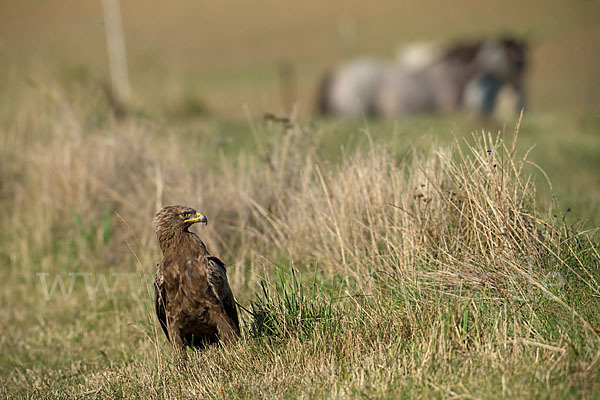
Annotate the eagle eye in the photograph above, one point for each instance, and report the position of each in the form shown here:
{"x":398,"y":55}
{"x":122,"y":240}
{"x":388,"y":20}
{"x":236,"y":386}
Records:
{"x":187,"y":214}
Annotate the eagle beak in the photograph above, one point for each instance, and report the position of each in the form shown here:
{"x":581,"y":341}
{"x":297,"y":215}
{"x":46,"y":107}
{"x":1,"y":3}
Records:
{"x":198,"y":218}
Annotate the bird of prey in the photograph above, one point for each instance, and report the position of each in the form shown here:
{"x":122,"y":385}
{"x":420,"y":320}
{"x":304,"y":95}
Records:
{"x":193,"y":300}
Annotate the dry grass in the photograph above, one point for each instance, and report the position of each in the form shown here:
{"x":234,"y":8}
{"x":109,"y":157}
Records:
{"x":433,"y":276}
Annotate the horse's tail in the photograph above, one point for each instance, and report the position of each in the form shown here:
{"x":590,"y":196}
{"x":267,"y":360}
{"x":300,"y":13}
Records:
{"x":323,"y":100}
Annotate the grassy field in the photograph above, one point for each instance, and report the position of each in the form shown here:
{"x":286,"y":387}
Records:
{"x":432,"y":256}
{"x":391,"y":268}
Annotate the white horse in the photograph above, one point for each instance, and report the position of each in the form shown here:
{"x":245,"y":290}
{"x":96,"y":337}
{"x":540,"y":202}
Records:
{"x":351,"y":89}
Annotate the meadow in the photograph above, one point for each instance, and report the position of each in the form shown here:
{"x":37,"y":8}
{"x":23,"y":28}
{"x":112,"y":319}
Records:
{"x":432,"y":256}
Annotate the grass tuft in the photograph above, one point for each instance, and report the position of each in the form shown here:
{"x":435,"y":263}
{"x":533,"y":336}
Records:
{"x":291,"y":309}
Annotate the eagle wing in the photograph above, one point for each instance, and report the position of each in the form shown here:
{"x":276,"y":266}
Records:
{"x":160,"y":301}
{"x":219,"y":284}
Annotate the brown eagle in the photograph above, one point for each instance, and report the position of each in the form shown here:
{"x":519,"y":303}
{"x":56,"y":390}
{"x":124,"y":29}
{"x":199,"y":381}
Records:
{"x":193,"y":300}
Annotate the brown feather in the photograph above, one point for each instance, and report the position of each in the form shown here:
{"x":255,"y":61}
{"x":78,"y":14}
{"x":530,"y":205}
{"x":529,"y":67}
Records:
{"x":193,"y":300}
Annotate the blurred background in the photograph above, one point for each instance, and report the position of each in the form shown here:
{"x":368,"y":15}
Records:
{"x":229,"y":55}
{"x":211,"y":67}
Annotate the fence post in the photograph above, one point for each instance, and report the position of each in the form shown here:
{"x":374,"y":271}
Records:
{"x":117,"y":54}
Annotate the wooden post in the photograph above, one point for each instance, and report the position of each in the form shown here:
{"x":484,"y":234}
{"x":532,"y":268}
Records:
{"x":287,"y":86}
{"x":117,"y":55}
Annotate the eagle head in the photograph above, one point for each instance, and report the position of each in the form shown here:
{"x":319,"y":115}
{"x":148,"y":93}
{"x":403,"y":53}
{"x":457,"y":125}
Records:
{"x":172,"y":220}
